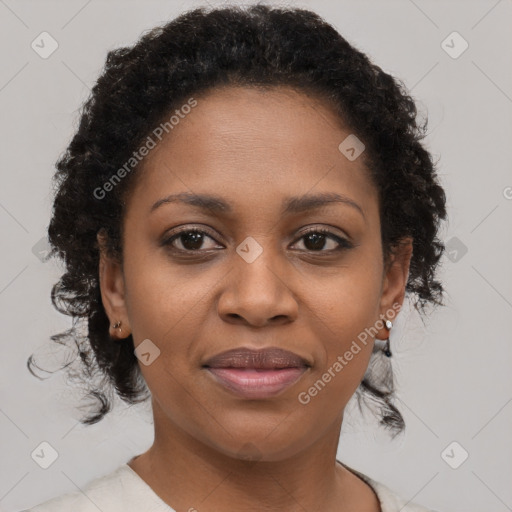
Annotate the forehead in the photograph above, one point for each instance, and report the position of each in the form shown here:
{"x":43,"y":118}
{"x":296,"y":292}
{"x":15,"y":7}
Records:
{"x":254,"y":146}
{"x":241,"y":121}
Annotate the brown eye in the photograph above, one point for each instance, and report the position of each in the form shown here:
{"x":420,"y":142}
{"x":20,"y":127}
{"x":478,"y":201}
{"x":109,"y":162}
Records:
{"x":191,"y":240}
{"x":319,"y":240}
{"x":316,"y":239}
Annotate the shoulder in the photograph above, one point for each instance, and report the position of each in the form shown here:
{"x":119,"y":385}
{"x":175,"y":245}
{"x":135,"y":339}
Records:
{"x":389,"y":500}
{"x":118,"y":491}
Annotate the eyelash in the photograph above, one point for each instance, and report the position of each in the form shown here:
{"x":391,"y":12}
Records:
{"x":343,"y":242}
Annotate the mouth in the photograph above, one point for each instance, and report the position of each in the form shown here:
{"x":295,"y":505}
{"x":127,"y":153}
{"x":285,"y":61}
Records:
{"x":256,"y":374}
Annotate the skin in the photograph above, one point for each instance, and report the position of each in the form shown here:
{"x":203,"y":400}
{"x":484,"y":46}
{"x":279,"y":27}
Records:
{"x":213,"y":450}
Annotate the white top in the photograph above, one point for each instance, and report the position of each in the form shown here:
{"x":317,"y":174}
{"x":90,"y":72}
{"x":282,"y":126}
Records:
{"x":123,"y":490}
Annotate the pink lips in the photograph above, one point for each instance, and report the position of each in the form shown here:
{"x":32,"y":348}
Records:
{"x":256,"y":374}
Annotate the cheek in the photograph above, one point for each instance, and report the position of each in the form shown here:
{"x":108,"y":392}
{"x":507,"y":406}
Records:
{"x":348,"y":302}
{"x":343,"y":314}
{"x":344,"y":356}
{"x":160,"y":296}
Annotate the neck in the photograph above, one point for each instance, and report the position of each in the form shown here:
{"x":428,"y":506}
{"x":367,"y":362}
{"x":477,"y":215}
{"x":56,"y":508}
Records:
{"x":189,"y":474}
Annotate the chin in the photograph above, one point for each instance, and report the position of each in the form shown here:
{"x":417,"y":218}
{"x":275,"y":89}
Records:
{"x":255,"y":445}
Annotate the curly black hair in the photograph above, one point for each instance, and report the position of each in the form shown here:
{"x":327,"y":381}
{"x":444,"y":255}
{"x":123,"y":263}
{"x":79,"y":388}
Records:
{"x":203,"y":49}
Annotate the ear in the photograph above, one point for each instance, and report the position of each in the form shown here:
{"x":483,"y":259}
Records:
{"x":396,"y":274}
{"x":112,"y":289}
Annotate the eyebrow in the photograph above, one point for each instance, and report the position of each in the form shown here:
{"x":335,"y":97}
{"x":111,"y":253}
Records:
{"x":291,"y":205}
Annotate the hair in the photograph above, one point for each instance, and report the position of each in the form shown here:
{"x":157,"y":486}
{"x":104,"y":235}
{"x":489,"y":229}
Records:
{"x":256,"y":46}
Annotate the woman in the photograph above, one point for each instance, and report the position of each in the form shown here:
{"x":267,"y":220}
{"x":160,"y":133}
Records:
{"x":242,"y":210}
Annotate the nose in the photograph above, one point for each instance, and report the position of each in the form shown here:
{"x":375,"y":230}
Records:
{"x":259,"y":293}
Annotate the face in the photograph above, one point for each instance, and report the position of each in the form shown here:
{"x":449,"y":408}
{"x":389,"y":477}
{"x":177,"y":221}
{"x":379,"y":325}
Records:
{"x":259,"y":271}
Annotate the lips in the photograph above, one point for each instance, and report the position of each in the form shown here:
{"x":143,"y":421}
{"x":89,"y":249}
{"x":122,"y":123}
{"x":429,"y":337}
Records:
{"x":264,"y":359}
{"x":256,"y":374}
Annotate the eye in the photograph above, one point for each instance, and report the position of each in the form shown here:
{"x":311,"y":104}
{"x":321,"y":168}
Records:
{"x":190,"y":239}
{"x":315,"y":240}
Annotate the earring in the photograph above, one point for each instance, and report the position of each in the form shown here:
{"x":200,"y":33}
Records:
{"x":386,"y":349}
{"x":117,"y":325}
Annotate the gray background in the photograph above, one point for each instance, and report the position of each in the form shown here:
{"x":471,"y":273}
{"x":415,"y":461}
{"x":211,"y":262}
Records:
{"x":453,"y":373}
